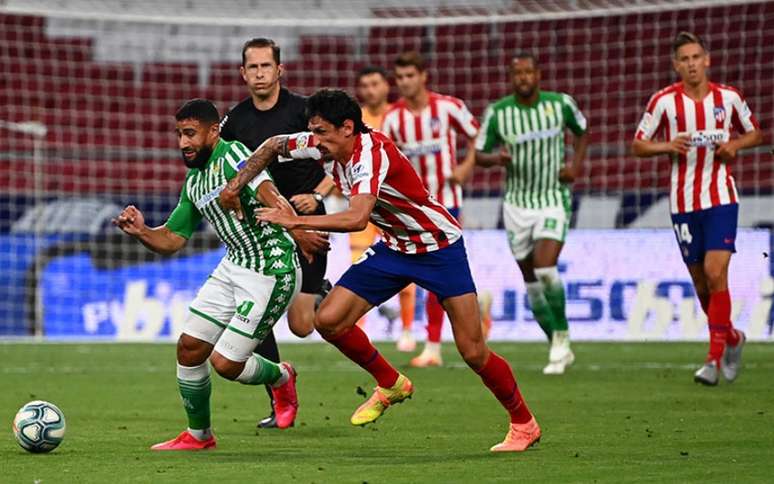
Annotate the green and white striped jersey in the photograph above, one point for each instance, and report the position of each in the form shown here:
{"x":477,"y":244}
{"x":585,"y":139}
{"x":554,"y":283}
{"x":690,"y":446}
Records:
{"x":534,"y":136}
{"x":262,"y":247}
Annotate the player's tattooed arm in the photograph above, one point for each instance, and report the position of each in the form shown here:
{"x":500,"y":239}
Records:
{"x":258,"y":161}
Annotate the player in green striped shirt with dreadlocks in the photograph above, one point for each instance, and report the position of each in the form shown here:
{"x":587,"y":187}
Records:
{"x":249,"y":289}
{"x":529,"y":125}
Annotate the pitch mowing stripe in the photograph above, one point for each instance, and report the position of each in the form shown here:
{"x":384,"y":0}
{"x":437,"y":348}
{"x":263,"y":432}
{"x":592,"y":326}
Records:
{"x":207,"y":317}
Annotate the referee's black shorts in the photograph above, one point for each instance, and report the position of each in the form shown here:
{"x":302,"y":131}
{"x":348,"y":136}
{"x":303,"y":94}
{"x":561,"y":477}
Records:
{"x":313,"y":272}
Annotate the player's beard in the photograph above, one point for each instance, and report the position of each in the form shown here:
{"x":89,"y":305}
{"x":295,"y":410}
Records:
{"x":200,"y":159}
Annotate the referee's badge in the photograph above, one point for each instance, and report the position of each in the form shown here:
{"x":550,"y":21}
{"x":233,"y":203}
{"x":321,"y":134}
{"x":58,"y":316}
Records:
{"x":720,"y":114}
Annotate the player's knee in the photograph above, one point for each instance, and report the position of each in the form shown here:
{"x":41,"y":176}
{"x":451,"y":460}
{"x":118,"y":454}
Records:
{"x":224,"y":367}
{"x":301,"y":325}
{"x":191,"y":351}
{"x":716,"y":277}
{"x":474,"y":353}
{"x":326,"y":321}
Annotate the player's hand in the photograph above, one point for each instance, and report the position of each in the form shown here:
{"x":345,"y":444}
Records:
{"x":567,"y":174}
{"x":276,"y":216}
{"x":304,"y":202}
{"x":505,"y":156}
{"x":311,"y":242}
{"x":130,"y":220}
{"x":726,"y":151}
{"x":229,"y":201}
{"x":680,"y":145}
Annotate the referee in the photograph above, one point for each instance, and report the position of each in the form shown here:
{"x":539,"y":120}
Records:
{"x":268,"y":111}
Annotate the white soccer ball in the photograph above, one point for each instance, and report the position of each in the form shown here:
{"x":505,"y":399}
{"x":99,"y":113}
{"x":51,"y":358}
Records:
{"x":39,"y":426}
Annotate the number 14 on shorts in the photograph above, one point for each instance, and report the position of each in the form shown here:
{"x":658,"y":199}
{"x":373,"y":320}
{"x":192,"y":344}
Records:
{"x":683,"y":233}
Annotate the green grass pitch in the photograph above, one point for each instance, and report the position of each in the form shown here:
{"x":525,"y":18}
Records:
{"x":624,"y":413}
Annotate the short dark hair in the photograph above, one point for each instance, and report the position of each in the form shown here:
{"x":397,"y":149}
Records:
{"x":368,"y":70}
{"x":684,"y":38}
{"x":411,"y":58}
{"x":526,"y":55}
{"x":201,"y":109}
{"x":259,"y":42}
{"x":335,"y":106}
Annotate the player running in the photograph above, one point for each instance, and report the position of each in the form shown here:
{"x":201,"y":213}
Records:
{"x":247,"y":292}
{"x":695,"y":118}
{"x":373,"y":89}
{"x":425,"y":125}
{"x":421,"y":243}
{"x":530,"y":124}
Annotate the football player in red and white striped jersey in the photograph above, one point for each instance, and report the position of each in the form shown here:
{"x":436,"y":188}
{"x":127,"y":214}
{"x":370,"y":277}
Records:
{"x":425,"y":126}
{"x":422,"y":243}
{"x":695,"y":119}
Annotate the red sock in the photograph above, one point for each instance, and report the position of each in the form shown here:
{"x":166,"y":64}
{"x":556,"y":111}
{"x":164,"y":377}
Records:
{"x":719,"y":317}
{"x":434,"y":318}
{"x":357,"y":347}
{"x":498,"y":377}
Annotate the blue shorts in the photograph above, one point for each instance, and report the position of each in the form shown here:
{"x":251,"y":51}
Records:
{"x":710,"y":229}
{"x":382,"y":272}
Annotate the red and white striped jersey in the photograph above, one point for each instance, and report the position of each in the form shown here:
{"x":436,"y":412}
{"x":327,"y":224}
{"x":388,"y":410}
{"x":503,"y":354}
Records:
{"x":429,"y":140}
{"x":699,"y":179}
{"x":411,"y":220}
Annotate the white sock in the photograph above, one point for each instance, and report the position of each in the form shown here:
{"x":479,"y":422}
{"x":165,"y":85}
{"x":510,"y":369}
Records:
{"x":200,"y":434}
{"x":432,"y":348}
{"x":549,"y":276}
{"x":408,"y":334}
{"x":284,"y":376}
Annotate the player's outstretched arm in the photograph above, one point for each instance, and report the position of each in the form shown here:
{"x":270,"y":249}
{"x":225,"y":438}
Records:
{"x":353,"y":219}
{"x":310,"y":242}
{"x":643,"y":148}
{"x":158,"y":239}
{"x":258,"y":161}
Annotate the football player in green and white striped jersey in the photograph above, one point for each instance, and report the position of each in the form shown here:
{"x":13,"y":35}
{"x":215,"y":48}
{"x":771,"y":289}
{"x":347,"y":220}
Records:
{"x":530,"y":125}
{"x":247,"y":292}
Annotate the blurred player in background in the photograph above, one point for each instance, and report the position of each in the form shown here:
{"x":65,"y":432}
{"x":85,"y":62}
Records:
{"x":373,"y":90}
{"x":247,"y":292}
{"x":421,"y":243}
{"x":530,"y":126}
{"x":269,"y":110}
{"x":425,"y":125}
{"x":695,"y":118}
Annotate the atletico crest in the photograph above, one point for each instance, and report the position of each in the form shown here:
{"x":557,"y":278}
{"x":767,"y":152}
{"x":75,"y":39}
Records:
{"x":720,"y":114}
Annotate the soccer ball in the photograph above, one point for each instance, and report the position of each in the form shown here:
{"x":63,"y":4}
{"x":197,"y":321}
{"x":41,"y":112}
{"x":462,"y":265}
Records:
{"x":39,"y":426}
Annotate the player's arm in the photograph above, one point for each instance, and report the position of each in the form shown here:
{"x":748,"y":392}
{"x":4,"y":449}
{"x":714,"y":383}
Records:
{"x":310,"y":242}
{"x":308,"y":202}
{"x":463,"y":171}
{"x":158,"y":239}
{"x":257,"y":162}
{"x":576,"y":122}
{"x":644,"y":144}
{"x":644,"y":148}
{"x":744,"y":122}
{"x":727,"y":151}
{"x":353,"y":219}
{"x":571,"y":171}
{"x":486,"y":140}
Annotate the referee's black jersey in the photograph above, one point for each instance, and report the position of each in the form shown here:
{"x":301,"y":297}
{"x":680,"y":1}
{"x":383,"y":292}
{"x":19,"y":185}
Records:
{"x":252,"y":127}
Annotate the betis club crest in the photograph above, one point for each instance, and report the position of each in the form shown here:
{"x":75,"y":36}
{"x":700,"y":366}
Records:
{"x":720,"y":114}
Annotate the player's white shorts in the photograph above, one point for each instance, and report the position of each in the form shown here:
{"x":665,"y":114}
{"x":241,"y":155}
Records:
{"x":527,"y":225}
{"x":237,"y":307}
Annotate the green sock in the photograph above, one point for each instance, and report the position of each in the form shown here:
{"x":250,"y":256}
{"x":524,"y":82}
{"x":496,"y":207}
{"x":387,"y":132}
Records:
{"x":556,"y":301}
{"x":196,"y":400}
{"x":540,"y":308}
{"x":259,"y":371}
